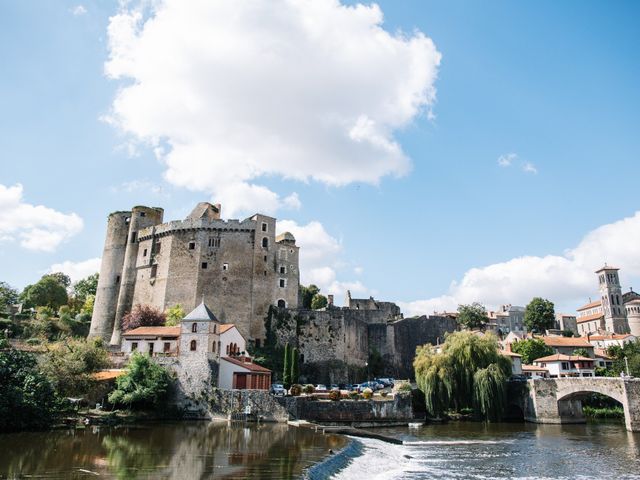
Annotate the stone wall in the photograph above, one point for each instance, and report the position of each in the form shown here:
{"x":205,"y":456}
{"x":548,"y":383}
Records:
{"x":222,"y":403}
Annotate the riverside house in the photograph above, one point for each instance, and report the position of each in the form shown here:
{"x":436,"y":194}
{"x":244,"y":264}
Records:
{"x":560,"y":365}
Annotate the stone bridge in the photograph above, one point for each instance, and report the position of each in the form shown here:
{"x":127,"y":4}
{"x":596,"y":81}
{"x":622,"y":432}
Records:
{"x":559,"y":400}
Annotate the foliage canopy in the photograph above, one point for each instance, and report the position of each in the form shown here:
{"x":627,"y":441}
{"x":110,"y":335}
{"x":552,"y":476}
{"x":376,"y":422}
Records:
{"x":539,"y":315}
{"x":531,"y":349}
{"x":143,"y":316}
{"x":472,"y":316}
{"x":145,"y":384}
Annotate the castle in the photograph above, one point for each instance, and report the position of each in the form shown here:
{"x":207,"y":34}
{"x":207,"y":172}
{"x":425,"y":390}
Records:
{"x":238,"y":268}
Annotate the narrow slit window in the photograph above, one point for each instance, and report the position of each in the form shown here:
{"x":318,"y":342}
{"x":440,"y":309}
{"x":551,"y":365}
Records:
{"x":204,"y":265}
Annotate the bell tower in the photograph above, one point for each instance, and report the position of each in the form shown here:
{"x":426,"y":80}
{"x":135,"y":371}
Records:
{"x":615,"y":316}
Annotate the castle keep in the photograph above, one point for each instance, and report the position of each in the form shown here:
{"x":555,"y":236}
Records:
{"x":238,"y":267}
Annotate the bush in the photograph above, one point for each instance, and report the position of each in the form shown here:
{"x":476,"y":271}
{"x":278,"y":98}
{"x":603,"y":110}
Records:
{"x":145,"y":384}
{"x":353,"y":395}
{"x":367,"y":393}
{"x":334,"y":395}
{"x":309,"y":389}
{"x":143,"y":316}
{"x":405,"y":387}
{"x":296,"y":389}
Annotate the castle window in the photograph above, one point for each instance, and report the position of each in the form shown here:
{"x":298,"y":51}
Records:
{"x":283,"y":269}
{"x":167,"y":347}
{"x":214,"y":242}
{"x":134,"y":346}
{"x":213,"y":346}
{"x":214,"y":329}
{"x":192,"y":245}
{"x":143,"y":214}
{"x":117,"y":278}
{"x":192,"y":346}
{"x":265,"y":242}
{"x":265,"y":258}
{"x":265,"y":273}
{"x":194,"y":327}
{"x":156,"y":247}
{"x":264,"y":227}
{"x":204,"y":265}
{"x":283,"y":283}
{"x":282,"y":303}
{"x":144,"y":252}
{"x":133,"y":237}
{"x":154,"y":271}
{"x":225,"y":267}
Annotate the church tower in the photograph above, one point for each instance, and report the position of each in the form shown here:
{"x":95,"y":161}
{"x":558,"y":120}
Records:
{"x":615,"y":317}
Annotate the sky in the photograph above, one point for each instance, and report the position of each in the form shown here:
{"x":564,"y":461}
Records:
{"x":431,"y":153}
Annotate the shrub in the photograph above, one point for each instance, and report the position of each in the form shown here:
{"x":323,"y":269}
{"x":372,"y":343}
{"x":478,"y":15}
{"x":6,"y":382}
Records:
{"x":144,"y":385}
{"x":44,"y":313}
{"x":296,"y":389}
{"x":334,"y":395}
{"x":309,"y":389}
{"x":367,"y":393}
{"x":33,"y":341}
{"x":405,"y":387}
{"x":353,"y":395}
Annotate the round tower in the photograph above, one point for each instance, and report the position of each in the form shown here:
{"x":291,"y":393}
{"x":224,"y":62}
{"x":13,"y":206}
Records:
{"x":141,"y":217}
{"x":633,"y":316}
{"x":104,"y":307}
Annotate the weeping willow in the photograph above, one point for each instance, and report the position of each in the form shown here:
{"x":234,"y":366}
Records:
{"x":467,"y":372}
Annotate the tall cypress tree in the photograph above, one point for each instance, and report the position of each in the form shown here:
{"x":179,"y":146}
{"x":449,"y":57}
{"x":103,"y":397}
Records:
{"x":295,"y":373}
{"x":286,"y":374}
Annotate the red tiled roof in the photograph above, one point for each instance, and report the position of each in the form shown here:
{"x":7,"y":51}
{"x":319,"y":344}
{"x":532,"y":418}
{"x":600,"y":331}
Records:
{"x":597,"y":303}
{"x":602,"y":353}
{"x":103,"y":375}
{"x":566,"y":342}
{"x":510,"y":354}
{"x":225,"y":327}
{"x":254,"y":367}
{"x":615,"y":336}
{"x":561,"y":357}
{"x":534,"y":368}
{"x":589,"y":318}
{"x":154,"y":331}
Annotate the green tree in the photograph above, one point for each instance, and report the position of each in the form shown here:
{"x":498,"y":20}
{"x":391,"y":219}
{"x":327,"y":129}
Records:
{"x":87,"y":307}
{"x":48,"y":292}
{"x":472,"y":316}
{"x":295,"y":371}
{"x":307,"y":294}
{"x":144,"y":385}
{"x":631,"y":351}
{"x":27,"y":398}
{"x":82,"y":289}
{"x":531,"y":349}
{"x":69,"y":365}
{"x":143,"y":316}
{"x":175,"y":315}
{"x":581,"y":352}
{"x":62,"y":278}
{"x":468,"y":372}
{"x":318,"y":301}
{"x":539,"y":315}
{"x":8,"y":296}
{"x":286,"y":371}
{"x":568,"y":333}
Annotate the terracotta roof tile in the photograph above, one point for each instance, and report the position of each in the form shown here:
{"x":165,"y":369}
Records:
{"x":104,"y":375}
{"x":566,"y":342}
{"x":589,"y":318}
{"x":597,"y":303}
{"x":254,"y":367}
{"x":156,"y":331}
{"x":534,"y":368}
{"x":561,"y":357}
{"x":225,"y":327}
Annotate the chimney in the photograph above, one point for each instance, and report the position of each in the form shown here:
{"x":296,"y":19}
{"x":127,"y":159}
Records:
{"x":330,"y":300}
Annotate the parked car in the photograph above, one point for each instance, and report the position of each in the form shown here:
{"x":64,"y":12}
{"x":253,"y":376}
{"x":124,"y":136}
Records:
{"x":387,"y":382}
{"x":334,"y":386}
{"x":277,"y":389}
{"x":373,"y":385}
{"x":321,"y":388}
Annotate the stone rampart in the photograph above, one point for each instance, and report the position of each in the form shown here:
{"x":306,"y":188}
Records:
{"x":261,"y":403}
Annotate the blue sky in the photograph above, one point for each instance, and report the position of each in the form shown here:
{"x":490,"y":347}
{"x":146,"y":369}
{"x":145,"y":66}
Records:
{"x":553,"y":84}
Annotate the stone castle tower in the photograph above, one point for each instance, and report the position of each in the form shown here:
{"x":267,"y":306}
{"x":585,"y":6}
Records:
{"x":239,"y":268}
{"x":615,"y":318}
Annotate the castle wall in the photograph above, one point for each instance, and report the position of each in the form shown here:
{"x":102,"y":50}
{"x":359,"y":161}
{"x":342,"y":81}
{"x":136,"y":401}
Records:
{"x":141,"y":217}
{"x":106,"y":301}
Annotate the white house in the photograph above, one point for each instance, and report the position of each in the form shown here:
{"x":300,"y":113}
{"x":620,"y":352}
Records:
{"x":232,"y":343}
{"x":151,"y":340}
{"x":240,"y":373}
{"x":609,"y":340}
{"x":560,"y":365}
{"x":533,"y":371}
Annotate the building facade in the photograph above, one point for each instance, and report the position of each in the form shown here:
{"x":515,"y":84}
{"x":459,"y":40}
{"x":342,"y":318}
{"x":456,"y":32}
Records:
{"x":239,"y":267}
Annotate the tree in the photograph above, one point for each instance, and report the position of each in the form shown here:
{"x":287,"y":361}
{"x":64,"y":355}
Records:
{"x":581,"y":352}
{"x":175,"y":315}
{"x":27,"y":398}
{"x":539,"y":315}
{"x":143,"y":316}
{"x":69,"y":365}
{"x":631,"y":351}
{"x":86,"y":287}
{"x":307,"y":294}
{"x":286,"y":370}
{"x":145,"y":384}
{"x":8,"y":296}
{"x":295,"y":371}
{"x":531,"y":349}
{"x":47,"y":292}
{"x":472,"y":316}
{"x":468,"y":372}
{"x":62,"y":278}
{"x":318,"y":301}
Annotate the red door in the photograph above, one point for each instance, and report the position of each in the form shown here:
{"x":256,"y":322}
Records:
{"x":240,"y":381}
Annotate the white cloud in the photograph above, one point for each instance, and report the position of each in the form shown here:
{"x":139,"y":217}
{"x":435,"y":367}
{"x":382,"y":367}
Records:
{"x":529,"y":167}
{"x":36,"y":227}
{"x":78,"y":11}
{"x":77,"y":270}
{"x":568,"y":280}
{"x":237,"y":91}
{"x":507,"y":159}
{"x":140,"y":186}
{"x":320,"y":258}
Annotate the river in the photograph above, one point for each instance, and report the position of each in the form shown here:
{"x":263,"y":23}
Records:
{"x":201,"y":450}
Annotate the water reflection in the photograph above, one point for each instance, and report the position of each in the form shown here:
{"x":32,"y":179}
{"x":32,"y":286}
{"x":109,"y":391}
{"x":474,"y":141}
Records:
{"x":185,"y":450}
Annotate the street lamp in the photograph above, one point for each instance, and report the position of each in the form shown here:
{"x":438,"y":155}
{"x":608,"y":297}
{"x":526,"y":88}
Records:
{"x":626,"y":362}
{"x":367,"y":365}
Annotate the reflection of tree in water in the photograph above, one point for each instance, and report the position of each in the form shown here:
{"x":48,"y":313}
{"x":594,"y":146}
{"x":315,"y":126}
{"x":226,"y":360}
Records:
{"x":174,"y":450}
